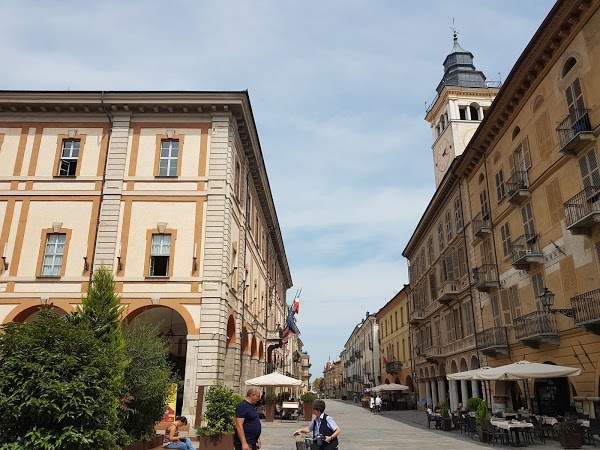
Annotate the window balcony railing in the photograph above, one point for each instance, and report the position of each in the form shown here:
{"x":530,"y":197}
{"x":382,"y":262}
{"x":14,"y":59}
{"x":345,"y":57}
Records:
{"x":574,"y":131}
{"x":481,"y":225}
{"x":525,"y":251}
{"x":582,"y":211}
{"x":358,"y":353}
{"x":517,"y":187}
{"x":417,"y":316}
{"x":352,"y":359}
{"x":493,"y":341}
{"x":448,"y":291}
{"x":434,"y":354}
{"x":394,"y":367}
{"x":586,"y":311}
{"x":486,"y":278}
{"x":535,"y":328}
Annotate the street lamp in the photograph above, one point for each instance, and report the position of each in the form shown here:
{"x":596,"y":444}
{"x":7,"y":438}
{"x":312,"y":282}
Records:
{"x":253,"y":326}
{"x":547,"y":299}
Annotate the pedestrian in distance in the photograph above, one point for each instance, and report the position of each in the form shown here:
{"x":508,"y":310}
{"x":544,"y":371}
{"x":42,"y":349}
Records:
{"x":378,"y":404}
{"x":322,"y":425}
{"x":172,"y":438}
{"x":247,"y":422}
{"x":372,"y":404}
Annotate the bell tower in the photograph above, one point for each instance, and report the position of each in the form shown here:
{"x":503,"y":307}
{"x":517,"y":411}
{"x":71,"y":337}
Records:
{"x":463,"y":98}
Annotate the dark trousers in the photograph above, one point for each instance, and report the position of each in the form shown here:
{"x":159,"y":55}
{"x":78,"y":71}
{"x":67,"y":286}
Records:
{"x":238,"y":446}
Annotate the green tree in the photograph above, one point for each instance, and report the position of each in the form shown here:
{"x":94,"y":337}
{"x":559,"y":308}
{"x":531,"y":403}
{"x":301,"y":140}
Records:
{"x":221,"y":403}
{"x":101,"y":312}
{"x":56,"y":387}
{"x":319,"y":384}
{"x":147,"y":379}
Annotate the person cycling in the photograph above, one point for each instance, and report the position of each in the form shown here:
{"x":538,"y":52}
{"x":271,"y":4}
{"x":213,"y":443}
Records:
{"x":323,"y":425}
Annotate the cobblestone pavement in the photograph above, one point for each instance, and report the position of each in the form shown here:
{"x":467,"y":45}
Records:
{"x":390,"y":430}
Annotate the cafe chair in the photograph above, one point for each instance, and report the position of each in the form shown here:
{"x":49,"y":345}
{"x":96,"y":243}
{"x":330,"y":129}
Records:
{"x":592,"y":430}
{"x":495,"y":433}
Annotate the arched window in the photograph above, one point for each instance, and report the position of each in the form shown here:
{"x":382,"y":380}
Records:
{"x":569,"y":64}
{"x":515,"y":132}
{"x":474,"y":110}
{"x":537,"y":104}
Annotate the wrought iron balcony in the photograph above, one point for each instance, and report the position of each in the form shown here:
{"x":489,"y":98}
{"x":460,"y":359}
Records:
{"x":434,"y":354}
{"x":574,"y":132}
{"x":448,"y":291}
{"x":535,"y":328}
{"x":486,"y":277}
{"x":582,"y":212}
{"x":352,"y":359}
{"x":481,"y":225}
{"x":517,"y":187}
{"x":526,"y":251}
{"x":394,"y":367}
{"x":493,"y":341}
{"x":358,"y":353}
{"x":586,"y":311}
{"x":416,"y":316}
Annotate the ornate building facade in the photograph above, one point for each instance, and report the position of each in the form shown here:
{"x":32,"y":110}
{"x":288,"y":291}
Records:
{"x":170,"y":192}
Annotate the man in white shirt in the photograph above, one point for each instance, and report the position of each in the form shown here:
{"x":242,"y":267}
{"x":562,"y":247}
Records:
{"x":378,"y":404}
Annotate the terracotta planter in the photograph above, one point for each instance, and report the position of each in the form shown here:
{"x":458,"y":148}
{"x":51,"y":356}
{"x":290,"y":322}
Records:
{"x":308,"y":410}
{"x":570,"y":440}
{"x":270,"y":411}
{"x":222,"y":442}
{"x":156,"y":441}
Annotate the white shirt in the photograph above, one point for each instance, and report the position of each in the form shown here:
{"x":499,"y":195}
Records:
{"x":378,"y":401}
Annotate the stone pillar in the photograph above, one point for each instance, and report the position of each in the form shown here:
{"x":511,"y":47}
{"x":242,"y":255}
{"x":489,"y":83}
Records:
{"x":454,"y":401}
{"x":481,"y":113}
{"x":475,"y":388}
{"x":434,"y":393}
{"x":428,"y":393}
{"x":468,"y":112}
{"x":441,"y":390}
{"x":465,"y":392}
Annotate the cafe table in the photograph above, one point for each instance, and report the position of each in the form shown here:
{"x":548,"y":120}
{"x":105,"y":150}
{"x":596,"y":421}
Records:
{"x":513,"y":425}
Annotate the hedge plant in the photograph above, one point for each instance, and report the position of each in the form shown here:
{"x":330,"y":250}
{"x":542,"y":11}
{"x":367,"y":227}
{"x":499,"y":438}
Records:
{"x":221,"y":403}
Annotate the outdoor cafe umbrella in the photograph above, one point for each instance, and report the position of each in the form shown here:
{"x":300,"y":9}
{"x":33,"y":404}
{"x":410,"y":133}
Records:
{"x":466,"y":375}
{"x":389,"y":387}
{"x":524,"y":370}
{"x":274,"y":379}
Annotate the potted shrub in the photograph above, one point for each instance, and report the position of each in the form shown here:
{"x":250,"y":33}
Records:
{"x":569,"y":433}
{"x":482,"y":413}
{"x":473,"y":403}
{"x":270,"y":401}
{"x":221,"y":403}
{"x":446,"y":422}
{"x":307,"y":400}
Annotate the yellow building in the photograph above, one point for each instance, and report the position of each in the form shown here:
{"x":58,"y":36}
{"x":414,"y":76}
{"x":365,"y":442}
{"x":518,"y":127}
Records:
{"x":333,"y":379}
{"x":526,"y":186}
{"x":166,"y":189}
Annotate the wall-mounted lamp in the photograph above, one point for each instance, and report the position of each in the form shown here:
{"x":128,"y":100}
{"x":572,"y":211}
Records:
{"x":547,"y":299}
{"x":253,"y":327}
{"x":44,"y":303}
{"x":4,"y":257}
{"x":119,"y":264}
{"x":86,"y":265}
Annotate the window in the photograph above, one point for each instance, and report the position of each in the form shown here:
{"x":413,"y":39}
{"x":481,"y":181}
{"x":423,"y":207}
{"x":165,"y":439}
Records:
{"x":458,"y":218}
{"x":238,"y":181}
{"x":448,"y":226}
{"x":468,"y":315}
{"x":527,"y":216}
{"x":505,"y":232}
{"x":160,"y":253}
{"x":496,"y":311}
{"x":588,"y":166}
{"x":574,"y":97}
{"x":500,"y":193}
{"x":485,"y":205}
{"x":69,"y":156}
{"x":53,"y":254}
{"x":169,"y":154}
{"x":441,"y":236}
{"x":430,"y":257}
{"x":537,"y":281}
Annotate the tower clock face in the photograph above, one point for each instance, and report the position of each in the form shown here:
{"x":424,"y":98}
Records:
{"x":443,"y":156}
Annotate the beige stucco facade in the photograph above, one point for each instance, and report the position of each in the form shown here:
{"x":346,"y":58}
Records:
{"x":169,"y":191}
{"x":526,"y":186}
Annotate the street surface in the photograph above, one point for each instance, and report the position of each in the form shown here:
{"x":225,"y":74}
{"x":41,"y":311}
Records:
{"x":391,"y":430}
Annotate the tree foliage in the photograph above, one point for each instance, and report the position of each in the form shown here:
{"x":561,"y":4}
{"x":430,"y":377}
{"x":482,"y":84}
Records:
{"x":56,"y":387}
{"x":147,"y":379}
{"x":221,"y":403}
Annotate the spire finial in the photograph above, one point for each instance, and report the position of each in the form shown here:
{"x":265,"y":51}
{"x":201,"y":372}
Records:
{"x":455,"y":31}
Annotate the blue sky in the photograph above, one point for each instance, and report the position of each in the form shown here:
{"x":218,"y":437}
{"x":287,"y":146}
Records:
{"x":338,"y":89}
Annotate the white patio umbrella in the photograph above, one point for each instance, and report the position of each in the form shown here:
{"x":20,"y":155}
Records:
{"x":389,"y":387}
{"x":467,"y":374}
{"x":274,"y":379}
{"x":523,"y":370}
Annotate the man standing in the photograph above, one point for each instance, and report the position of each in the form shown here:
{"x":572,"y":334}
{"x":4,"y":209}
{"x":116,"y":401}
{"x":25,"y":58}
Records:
{"x":378,"y":404}
{"x":247,"y":422}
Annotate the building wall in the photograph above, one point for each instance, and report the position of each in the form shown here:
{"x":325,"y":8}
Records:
{"x":227,"y":266}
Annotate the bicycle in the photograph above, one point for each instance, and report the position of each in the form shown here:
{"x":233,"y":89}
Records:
{"x":308,"y":442}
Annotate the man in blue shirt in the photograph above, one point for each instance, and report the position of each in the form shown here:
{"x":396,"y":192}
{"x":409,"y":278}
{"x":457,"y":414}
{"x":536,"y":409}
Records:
{"x":323,"y":425}
{"x":247,"y":422}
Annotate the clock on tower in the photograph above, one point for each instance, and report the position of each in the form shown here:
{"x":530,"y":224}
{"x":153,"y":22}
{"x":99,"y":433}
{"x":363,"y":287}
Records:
{"x":443,"y":155}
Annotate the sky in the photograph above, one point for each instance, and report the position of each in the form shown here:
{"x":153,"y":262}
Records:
{"x":338,"y":90}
